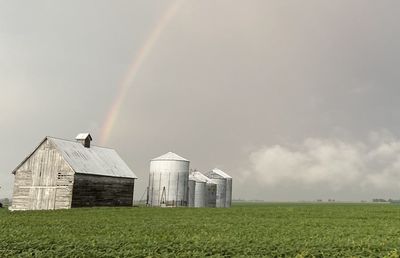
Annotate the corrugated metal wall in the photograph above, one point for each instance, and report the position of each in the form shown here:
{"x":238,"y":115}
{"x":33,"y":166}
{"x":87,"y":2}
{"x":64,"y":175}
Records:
{"x":168,"y":183}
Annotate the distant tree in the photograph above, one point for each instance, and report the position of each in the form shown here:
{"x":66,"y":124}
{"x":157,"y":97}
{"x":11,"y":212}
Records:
{"x":378,"y":200}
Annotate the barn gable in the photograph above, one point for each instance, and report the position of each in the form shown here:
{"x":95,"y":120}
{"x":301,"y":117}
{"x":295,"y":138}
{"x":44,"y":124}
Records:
{"x":44,"y":180}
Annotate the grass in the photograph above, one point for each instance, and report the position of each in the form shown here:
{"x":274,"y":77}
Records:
{"x":245,"y":230}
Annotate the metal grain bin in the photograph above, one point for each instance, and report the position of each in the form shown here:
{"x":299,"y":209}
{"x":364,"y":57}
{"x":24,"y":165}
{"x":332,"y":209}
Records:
{"x":168,"y":181}
{"x":224,"y":187}
{"x":200,"y":190}
{"x":211,"y":189}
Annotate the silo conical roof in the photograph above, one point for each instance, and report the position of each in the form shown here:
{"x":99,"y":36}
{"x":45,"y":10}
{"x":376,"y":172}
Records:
{"x":196,"y":178}
{"x":221,"y":173}
{"x":201,"y":176}
{"x":170,"y":156}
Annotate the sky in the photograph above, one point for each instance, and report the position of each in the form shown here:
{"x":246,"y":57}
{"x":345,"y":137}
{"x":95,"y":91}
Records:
{"x":296,"y":100}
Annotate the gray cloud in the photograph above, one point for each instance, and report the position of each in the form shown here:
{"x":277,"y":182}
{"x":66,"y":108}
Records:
{"x":224,"y":79}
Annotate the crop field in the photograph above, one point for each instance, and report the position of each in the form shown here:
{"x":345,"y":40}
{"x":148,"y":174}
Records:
{"x":245,"y":230}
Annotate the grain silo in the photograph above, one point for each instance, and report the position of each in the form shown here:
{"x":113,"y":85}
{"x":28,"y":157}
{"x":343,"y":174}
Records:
{"x":199,"y":186}
{"x":168,"y":181}
{"x":224,"y":187}
{"x":211,"y":189}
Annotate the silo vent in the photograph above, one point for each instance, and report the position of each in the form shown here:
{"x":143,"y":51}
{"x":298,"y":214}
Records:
{"x":84,"y":138}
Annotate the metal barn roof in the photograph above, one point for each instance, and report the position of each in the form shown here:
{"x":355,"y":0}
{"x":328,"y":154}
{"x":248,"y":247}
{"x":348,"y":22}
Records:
{"x":170,"y":156}
{"x":94,"y":160}
{"x":220,"y":173}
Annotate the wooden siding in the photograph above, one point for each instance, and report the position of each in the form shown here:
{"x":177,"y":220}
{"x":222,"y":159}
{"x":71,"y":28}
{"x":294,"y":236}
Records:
{"x":93,"y":190}
{"x":44,"y":181}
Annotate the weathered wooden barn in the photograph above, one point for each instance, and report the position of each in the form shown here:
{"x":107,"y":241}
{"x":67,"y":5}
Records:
{"x":60,"y":174}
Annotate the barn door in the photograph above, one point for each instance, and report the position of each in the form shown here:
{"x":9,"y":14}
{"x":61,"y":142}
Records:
{"x":43,"y":198}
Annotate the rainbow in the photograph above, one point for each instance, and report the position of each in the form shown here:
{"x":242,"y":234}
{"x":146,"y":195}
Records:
{"x":134,"y":67}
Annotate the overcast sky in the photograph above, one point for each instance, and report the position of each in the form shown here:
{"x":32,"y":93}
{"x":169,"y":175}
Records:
{"x":297,"y":100}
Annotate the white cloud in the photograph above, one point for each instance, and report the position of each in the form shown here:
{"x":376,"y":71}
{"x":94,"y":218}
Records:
{"x":331,"y":163}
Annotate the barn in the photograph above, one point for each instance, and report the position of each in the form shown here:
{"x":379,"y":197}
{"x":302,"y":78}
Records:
{"x":60,"y":174}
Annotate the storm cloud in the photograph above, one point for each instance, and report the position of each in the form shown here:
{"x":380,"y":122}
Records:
{"x":282,"y":95}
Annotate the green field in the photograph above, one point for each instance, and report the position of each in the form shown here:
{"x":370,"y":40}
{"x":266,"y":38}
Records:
{"x":245,"y":230}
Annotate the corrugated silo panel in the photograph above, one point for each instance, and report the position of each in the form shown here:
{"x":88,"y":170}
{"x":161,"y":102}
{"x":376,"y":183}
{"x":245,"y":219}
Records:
{"x":221,"y":192}
{"x":200,"y":195}
{"x":211,"y":195}
{"x":228,"y":203}
{"x":192,"y":187}
{"x":168,"y":181}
